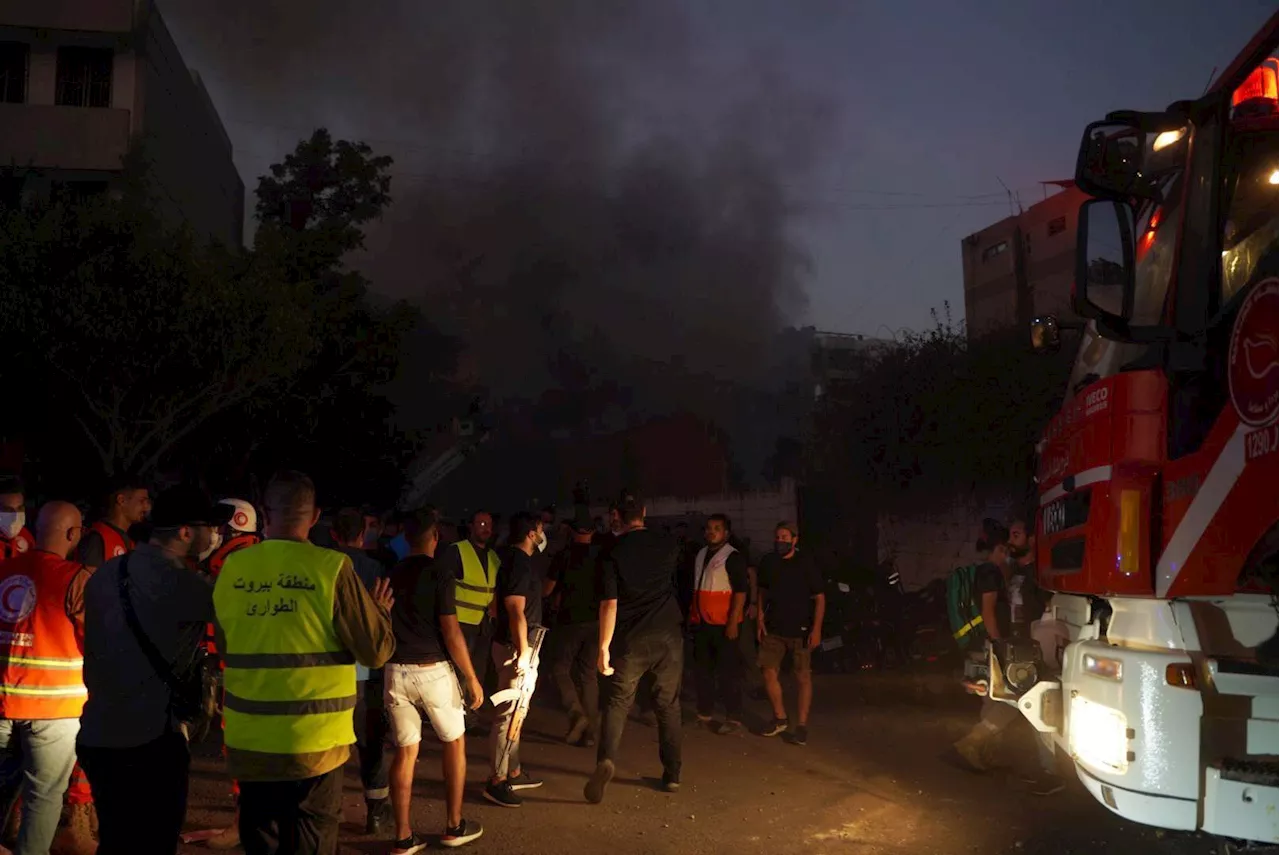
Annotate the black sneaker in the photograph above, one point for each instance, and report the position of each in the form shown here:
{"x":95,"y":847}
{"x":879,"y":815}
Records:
{"x":413,"y":843}
{"x":502,"y":795}
{"x":523,"y":781}
{"x":799,"y":736}
{"x":670,"y":783}
{"x":600,"y":778}
{"x":461,"y":834}
{"x":378,"y":816}
{"x":777,"y":726}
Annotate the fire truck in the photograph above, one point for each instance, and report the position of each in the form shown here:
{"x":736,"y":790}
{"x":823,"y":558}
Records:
{"x":1158,"y":476}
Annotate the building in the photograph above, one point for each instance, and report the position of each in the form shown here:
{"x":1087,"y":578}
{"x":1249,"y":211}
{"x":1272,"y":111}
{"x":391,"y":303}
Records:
{"x":1023,"y":266}
{"x":82,"y":81}
{"x":837,"y":359}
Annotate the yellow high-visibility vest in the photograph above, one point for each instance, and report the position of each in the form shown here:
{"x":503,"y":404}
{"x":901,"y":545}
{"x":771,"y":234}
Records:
{"x":474,"y":591}
{"x":290,"y":683}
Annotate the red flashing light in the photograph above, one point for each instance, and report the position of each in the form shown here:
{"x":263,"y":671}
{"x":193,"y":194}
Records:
{"x":1262,"y":85}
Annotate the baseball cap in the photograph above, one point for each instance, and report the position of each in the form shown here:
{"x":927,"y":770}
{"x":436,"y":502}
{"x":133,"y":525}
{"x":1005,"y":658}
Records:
{"x":186,"y":504}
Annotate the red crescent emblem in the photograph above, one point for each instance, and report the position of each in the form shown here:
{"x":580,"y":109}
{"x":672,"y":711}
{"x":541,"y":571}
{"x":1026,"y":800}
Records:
{"x":241,"y":518}
{"x":1253,"y":357}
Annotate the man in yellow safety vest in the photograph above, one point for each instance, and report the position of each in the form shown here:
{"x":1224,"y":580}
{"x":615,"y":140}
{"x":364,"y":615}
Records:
{"x":292,"y":621}
{"x":475,"y":567}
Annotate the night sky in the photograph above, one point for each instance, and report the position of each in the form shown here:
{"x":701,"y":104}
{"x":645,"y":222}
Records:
{"x":892,"y":124}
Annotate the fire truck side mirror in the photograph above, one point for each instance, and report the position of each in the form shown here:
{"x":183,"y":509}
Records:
{"x":1046,"y":335}
{"x":1104,"y":262}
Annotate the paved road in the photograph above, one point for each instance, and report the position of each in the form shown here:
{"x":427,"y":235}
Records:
{"x":873,"y":779}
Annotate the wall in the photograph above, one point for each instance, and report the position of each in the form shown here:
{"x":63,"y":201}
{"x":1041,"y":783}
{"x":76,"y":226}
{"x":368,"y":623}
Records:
{"x":184,"y":140}
{"x":929,"y":544}
{"x":107,"y":16}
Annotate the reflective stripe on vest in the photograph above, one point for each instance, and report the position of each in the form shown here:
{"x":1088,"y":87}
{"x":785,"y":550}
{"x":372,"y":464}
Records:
{"x":290,"y":684}
{"x":41,"y":651}
{"x":713,"y":594}
{"x":473,"y":593}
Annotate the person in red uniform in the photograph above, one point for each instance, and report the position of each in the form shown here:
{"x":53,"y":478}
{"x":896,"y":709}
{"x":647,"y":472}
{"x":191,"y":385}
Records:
{"x":127,"y":503}
{"x":15,"y":539}
{"x":42,"y":688}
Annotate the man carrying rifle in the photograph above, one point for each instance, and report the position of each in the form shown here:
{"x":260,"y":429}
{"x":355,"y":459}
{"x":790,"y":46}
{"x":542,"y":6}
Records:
{"x":519,"y":606}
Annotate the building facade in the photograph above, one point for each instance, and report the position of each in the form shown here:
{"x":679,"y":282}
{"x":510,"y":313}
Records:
{"x":1022,"y":267}
{"x":82,"y":82}
{"x":838,"y":359}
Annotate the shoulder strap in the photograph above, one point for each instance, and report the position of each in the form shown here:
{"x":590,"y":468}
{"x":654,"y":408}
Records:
{"x":161,"y":666}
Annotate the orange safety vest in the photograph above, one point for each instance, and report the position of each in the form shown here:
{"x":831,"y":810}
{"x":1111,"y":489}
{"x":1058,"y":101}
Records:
{"x":114,"y":544}
{"x":12,"y":548}
{"x":712,"y":594}
{"x":41,"y":650}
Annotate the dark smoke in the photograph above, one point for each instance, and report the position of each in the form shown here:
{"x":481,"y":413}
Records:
{"x":581,"y":187}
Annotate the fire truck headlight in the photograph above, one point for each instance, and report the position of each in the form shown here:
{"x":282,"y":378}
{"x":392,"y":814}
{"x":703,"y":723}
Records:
{"x":1099,"y":736}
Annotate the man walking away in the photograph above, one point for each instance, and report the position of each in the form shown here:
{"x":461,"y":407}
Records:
{"x":639,"y":634}
{"x":292,"y":621}
{"x":792,"y":604}
{"x":720,"y":583}
{"x":421,"y":681}
{"x":577,"y":636}
{"x":132,"y":748}
{"x":126,"y":504}
{"x":15,"y":539}
{"x":519,"y":611}
{"x":41,"y":673}
{"x":350,"y":530}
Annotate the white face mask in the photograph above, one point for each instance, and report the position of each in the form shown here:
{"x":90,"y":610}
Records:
{"x":542,"y":544}
{"x":11,"y":523}
{"x":213,"y":545}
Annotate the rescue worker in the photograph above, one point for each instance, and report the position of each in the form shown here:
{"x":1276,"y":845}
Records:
{"x":239,"y":533}
{"x":293,"y":619}
{"x":475,"y":566}
{"x":42,"y":674}
{"x":720,"y":584}
{"x":126,"y":504}
{"x":350,"y":536}
{"x":15,"y":539}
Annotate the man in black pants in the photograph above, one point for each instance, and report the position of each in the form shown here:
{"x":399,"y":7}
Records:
{"x":720,"y":584}
{"x":639,"y":634}
{"x":577,"y":635}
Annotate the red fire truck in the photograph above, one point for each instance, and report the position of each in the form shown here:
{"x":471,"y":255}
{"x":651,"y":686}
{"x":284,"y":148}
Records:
{"x":1158,"y":477}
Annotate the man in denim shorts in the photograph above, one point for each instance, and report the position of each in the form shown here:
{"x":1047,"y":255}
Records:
{"x":422,"y":678}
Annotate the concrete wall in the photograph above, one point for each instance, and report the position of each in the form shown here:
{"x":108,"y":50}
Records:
{"x":754,"y":515}
{"x":928,"y":545}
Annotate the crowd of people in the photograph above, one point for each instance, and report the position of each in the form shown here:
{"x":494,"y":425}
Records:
{"x":121,"y":640}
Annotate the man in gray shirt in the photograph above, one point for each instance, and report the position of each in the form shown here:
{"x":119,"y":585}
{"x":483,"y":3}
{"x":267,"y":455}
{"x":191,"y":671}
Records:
{"x":132,"y":749}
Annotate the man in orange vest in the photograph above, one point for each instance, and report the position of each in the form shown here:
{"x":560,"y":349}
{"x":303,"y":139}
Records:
{"x":15,"y":539}
{"x":720,"y":583}
{"x":42,"y":689}
{"x":127,"y":503}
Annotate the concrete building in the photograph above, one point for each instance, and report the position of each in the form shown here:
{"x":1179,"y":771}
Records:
{"x":82,"y":81}
{"x":1022,"y":266}
{"x":838,"y":358}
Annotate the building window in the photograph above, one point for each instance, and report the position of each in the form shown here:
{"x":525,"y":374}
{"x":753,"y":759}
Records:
{"x":13,"y":72}
{"x":1057,"y":226}
{"x":76,"y":192}
{"x":994,"y":250}
{"x":84,"y":77}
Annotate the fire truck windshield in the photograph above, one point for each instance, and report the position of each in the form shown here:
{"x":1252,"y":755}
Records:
{"x":1155,"y":253}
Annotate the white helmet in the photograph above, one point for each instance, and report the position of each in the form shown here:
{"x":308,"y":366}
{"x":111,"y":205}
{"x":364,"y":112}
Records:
{"x":245,"y":518}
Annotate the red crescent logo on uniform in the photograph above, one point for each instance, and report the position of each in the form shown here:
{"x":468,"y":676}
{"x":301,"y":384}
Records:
{"x":17,"y":598}
{"x":117,"y":552}
{"x":20,"y":544}
{"x":1253,"y":366}
{"x":241,"y":518}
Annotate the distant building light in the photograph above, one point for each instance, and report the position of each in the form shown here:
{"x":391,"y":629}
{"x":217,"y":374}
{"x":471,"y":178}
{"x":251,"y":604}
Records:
{"x":994,"y":250}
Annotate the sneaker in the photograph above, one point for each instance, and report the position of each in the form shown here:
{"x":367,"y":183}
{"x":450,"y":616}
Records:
{"x":600,"y":778}
{"x":577,"y":730}
{"x":379,"y":818}
{"x":461,"y":834}
{"x":777,"y":726}
{"x":799,"y":736}
{"x":502,"y":795}
{"x":413,"y":843}
{"x":523,"y":781}
{"x":728,"y":727}
{"x":670,"y":783}
{"x":1047,"y":784}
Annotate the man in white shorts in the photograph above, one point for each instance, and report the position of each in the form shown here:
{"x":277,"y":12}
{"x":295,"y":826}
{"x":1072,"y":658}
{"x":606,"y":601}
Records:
{"x":422,"y":678}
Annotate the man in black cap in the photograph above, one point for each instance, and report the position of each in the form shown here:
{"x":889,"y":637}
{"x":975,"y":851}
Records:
{"x":132,"y":748}
{"x":574,"y":570}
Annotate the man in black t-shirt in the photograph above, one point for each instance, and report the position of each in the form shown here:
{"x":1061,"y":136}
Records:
{"x":640,"y":633}
{"x":792,"y":603}
{"x":421,"y":680}
{"x":519,"y":600}
{"x":574,"y":570}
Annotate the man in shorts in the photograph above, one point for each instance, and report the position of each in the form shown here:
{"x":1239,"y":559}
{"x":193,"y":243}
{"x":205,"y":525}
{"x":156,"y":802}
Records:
{"x":789,"y":620}
{"x":422,"y":678}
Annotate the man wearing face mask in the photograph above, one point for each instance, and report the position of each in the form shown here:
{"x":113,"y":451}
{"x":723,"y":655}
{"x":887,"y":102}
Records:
{"x":15,"y":539}
{"x":134,"y":751}
{"x":41,"y":671}
{"x":792,"y":604}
